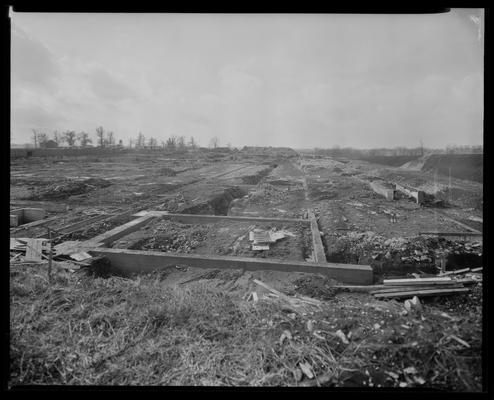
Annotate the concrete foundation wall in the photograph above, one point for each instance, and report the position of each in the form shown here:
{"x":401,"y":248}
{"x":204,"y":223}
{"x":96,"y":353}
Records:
{"x":27,"y":215}
{"x":207,"y":219}
{"x":318,"y":248}
{"x":132,"y":261}
{"x":120,"y":231}
{"x":389,"y":194}
{"x":418,"y":195}
{"x":14,"y":220}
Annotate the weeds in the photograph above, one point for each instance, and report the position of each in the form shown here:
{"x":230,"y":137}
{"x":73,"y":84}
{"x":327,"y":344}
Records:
{"x":84,"y":330}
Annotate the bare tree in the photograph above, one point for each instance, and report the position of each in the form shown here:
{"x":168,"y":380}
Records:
{"x":152,"y":142}
{"x":69,"y":137}
{"x":110,"y":138}
{"x":100,"y":134}
{"x":181,"y":142}
{"x":214,"y":142}
{"x":42,"y":139}
{"x":83,"y":138}
{"x":141,"y":140}
{"x":57,"y":138}
{"x":171,"y":143}
{"x":192,"y":143}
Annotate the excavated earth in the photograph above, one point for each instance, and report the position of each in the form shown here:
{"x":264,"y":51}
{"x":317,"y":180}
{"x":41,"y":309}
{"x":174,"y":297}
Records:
{"x":357,"y":225}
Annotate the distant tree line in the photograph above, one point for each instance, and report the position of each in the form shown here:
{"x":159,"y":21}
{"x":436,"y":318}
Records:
{"x":107,"y":139}
{"x":72,"y":138}
{"x":350,"y":152}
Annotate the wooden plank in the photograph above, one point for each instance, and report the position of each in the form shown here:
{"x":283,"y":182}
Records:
{"x":479,"y":269}
{"x":272,"y":290}
{"x":418,"y":281}
{"x":34,"y":249}
{"x":451,"y":233}
{"x":392,"y":289}
{"x":131,"y":261}
{"x":318,"y":248}
{"x":80,"y":256}
{"x":199,"y":218}
{"x":118,"y":232}
{"x":421,"y":293}
{"x":458,"y":271}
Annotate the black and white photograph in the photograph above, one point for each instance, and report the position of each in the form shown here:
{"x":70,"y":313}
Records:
{"x":226,"y":199}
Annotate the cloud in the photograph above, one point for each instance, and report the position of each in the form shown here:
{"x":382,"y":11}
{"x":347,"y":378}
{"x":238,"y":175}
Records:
{"x":32,"y":62}
{"x":293,"y":80}
{"x":109,"y":87}
{"x":36,"y":117}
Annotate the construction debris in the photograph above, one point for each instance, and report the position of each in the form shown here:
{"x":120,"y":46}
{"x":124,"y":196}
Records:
{"x":70,"y":188}
{"x":34,"y":249}
{"x":411,"y":250}
{"x":261,"y":239}
{"x":413,"y":304}
{"x":421,"y":287}
{"x":80,"y":256}
{"x":299,"y":304}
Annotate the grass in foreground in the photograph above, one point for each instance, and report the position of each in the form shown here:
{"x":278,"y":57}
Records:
{"x":83,"y":330}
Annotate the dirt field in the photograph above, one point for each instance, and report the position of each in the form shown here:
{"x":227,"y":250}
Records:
{"x":195,"y":326}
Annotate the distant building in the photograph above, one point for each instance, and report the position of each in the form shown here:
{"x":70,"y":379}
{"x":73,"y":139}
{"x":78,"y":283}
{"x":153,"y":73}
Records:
{"x":49,"y":144}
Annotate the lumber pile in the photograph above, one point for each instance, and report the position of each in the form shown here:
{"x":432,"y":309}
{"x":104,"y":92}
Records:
{"x":33,"y":248}
{"x":422,"y":287}
{"x":37,"y":251}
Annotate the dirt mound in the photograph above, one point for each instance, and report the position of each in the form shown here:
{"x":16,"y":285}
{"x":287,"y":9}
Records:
{"x":256,"y":178}
{"x":461,"y":166}
{"x":69,"y":188}
{"x":322,"y":191}
{"x":318,"y":287}
{"x":165,"y":171}
{"x":415,"y":165}
{"x":392,"y":161}
{"x":97,"y":182}
{"x":218,"y":204}
{"x":396,"y":253}
{"x":62,"y":191}
{"x":287,"y":169}
{"x":266,"y":192}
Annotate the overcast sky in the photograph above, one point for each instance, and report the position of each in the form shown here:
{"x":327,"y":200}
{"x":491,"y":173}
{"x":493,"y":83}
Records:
{"x":275,"y":80}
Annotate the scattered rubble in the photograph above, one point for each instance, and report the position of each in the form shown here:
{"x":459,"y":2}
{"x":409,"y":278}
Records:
{"x":411,"y":250}
{"x":389,"y":328}
{"x":70,"y":188}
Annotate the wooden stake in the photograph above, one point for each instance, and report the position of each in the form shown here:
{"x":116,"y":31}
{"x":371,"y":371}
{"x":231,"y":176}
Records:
{"x":50,"y":256}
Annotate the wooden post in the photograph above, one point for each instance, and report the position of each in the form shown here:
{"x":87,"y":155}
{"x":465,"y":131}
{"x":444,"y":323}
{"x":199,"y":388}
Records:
{"x":50,"y":256}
